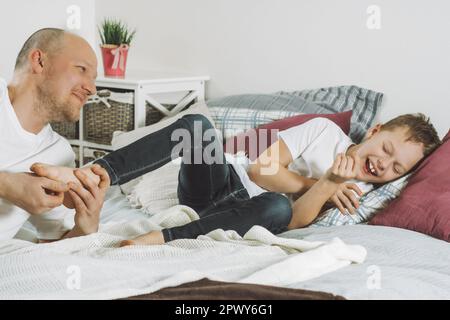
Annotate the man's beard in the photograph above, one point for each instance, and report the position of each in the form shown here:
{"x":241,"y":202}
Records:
{"x":52,"y":109}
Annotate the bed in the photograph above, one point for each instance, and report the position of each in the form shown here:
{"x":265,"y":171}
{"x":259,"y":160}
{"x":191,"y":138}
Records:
{"x":357,"y":261}
{"x":399,"y":264}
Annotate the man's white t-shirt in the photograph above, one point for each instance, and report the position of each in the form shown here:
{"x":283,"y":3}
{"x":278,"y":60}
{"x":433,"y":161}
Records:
{"x":314,"y":146}
{"x":19,"y":149}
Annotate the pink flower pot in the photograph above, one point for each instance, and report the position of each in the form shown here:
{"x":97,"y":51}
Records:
{"x":114,"y":60}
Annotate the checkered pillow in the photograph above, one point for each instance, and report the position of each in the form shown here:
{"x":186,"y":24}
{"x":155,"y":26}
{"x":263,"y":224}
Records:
{"x":237,"y":114}
{"x":233,"y":121}
{"x":370,"y":204}
{"x":363,"y":102}
{"x":259,"y":109}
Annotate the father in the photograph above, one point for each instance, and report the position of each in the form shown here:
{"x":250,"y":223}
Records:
{"x":53,"y":76}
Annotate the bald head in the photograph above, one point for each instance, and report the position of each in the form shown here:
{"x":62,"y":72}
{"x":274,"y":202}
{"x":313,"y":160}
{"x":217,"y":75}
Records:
{"x":49,"y":40}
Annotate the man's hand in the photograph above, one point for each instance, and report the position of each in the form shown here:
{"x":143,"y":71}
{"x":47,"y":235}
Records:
{"x":345,"y":198}
{"x":344,"y":168}
{"x":88,"y":200}
{"x":34,"y":194}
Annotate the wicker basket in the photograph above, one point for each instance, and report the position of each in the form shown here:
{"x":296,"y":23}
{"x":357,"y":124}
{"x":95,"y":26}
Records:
{"x":102,"y":119}
{"x":69,"y":130}
{"x":153,"y":115}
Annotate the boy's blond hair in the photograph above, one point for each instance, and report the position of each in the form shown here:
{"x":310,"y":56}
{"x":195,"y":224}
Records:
{"x":420,"y":130}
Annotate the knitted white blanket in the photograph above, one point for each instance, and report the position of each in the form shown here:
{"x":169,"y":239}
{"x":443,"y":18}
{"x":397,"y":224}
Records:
{"x":93,"y":267}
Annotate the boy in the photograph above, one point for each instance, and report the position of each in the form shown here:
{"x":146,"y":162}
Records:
{"x":388,"y":152}
{"x":309,"y":163}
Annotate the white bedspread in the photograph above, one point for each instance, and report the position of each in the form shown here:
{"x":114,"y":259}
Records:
{"x":400,"y":264}
{"x":93,"y":267}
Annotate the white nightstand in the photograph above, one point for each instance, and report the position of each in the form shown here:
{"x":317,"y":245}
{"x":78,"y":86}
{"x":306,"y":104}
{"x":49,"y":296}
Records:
{"x":150,"y":89}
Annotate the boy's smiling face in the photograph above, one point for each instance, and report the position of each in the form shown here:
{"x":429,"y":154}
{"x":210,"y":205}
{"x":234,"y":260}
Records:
{"x":386,"y":154}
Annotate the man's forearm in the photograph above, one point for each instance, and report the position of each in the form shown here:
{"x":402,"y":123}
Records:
{"x":308,"y":206}
{"x":283,"y":180}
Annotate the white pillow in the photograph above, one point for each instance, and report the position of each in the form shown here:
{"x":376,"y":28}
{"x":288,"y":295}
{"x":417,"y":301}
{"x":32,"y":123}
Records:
{"x":155,"y":191}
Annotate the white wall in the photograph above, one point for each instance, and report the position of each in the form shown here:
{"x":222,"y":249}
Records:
{"x":20,"y":18}
{"x":269,"y":45}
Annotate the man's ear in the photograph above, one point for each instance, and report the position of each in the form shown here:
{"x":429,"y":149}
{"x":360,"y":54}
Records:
{"x":375,"y":129}
{"x":36,"y":58}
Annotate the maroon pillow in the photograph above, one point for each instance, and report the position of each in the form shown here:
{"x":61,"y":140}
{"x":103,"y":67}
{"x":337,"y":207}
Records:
{"x":424,"y":205}
{"x":263,"y":136}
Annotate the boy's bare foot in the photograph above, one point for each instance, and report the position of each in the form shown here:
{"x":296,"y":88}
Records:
{"x":64,"y":174}
{"x":151,"y":238}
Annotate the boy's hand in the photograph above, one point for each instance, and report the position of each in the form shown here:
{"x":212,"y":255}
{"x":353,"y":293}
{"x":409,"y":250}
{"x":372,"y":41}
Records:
{"x":344,"y":168}
{"x":345,"y":199}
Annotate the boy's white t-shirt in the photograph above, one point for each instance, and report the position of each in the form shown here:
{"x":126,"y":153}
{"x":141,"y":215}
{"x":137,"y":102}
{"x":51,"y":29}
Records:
{"x":314,"y":146}
{"x":19,"y":149}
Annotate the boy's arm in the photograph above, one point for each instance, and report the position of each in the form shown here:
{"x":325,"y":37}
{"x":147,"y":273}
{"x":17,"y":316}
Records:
{"x":308,"y":206}
{"x":270,"y":171}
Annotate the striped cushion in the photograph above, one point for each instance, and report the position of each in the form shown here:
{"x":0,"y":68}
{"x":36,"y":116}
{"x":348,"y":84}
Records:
{"x":258,"y":108}
{"x":364,"y":103}
{"x":233,"y":121}
{"x":370,"y":204}
{"x":238,"y":113}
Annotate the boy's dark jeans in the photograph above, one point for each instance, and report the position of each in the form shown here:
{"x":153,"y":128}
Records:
{"x":213,"y":190}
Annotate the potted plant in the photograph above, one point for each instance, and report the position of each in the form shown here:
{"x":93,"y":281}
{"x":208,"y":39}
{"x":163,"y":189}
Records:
{"x":115,"y":41}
